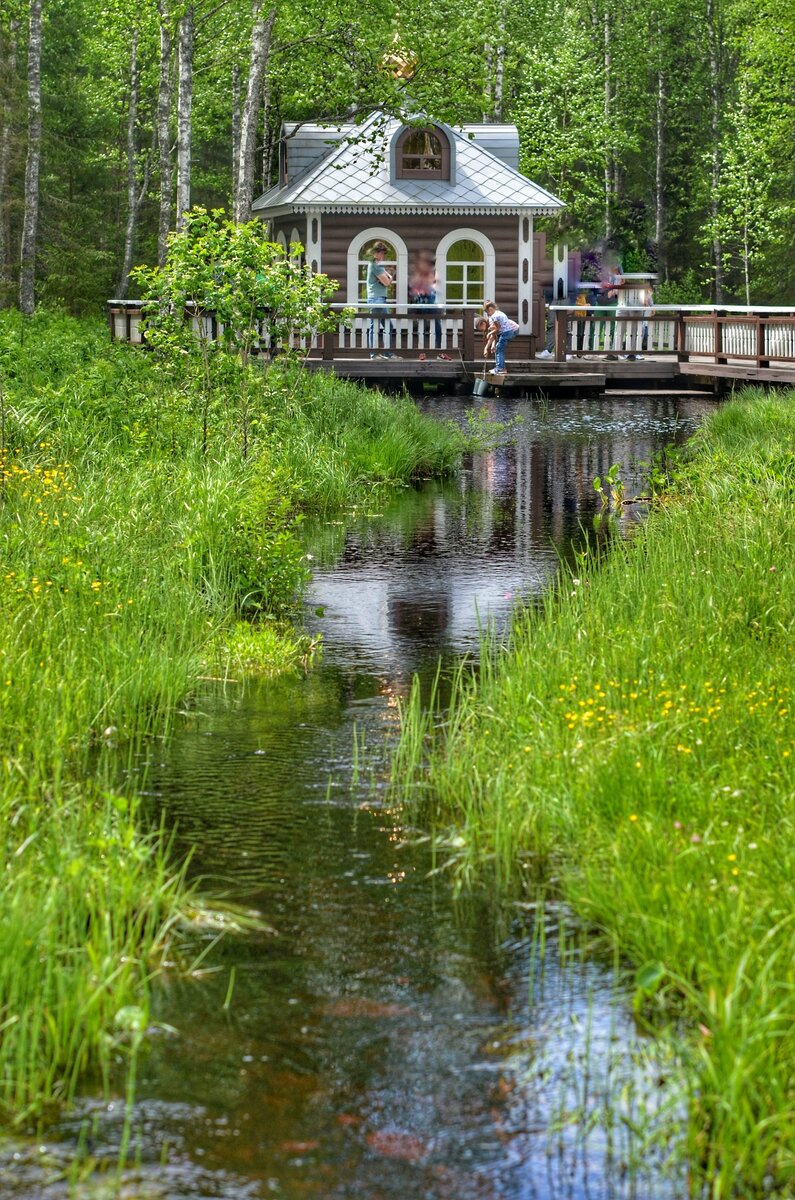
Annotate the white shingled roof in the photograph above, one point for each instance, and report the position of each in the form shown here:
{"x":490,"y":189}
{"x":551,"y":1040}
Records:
{"x":357,"y":178}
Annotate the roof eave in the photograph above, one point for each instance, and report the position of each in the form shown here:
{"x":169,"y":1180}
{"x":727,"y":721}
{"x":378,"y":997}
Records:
{"x":464,"y":210}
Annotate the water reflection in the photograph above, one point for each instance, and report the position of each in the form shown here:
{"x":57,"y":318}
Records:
{"x":383,"y":1040}
{"x":438,"y":563}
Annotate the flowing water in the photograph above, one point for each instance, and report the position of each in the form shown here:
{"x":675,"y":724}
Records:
{"x":383,"y":1039}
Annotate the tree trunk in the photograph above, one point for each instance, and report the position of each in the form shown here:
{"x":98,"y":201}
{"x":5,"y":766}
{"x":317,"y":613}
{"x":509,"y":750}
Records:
{"x":30,"y":220}
{"x":187,"y":29}
{"x":608,"y":166}
{"x":267,"y":132}
{"x":133,"y":200}
{"x":8,"y":84}
{"x":715,"y":98}
{"x":659,"y":162}
{"x":164,"y":133}
{"x":260,"y":48}
{"x":499,"y":70}
{"x":236,"y":94}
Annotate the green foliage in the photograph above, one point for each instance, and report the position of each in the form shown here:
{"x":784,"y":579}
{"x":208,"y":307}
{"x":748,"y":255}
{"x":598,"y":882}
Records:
{"x":253,"y":288}
{"x":686,"y":290}
{"x":610,"y":490}
{"x":130,"y":548}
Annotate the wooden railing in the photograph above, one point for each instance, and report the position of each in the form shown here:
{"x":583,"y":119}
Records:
{"x":752,"y":336}
{"x":410,"y":328}
{"x":414,"y":328}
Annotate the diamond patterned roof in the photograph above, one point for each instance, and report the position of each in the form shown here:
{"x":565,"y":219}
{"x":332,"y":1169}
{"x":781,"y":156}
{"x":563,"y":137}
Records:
{"x":355,"y":177}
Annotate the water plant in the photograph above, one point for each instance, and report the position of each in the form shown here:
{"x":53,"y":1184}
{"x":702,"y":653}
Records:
{"x":633,"y":738}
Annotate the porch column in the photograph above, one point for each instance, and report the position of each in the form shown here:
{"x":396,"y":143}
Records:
{"x":525,"y":260}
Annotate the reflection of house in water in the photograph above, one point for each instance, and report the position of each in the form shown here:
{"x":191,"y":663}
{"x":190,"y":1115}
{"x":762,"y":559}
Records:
{"x":471,"y":548}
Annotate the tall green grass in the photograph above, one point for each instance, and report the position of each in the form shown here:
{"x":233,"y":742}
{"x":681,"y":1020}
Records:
{"x":140,"y":520}
{"x":634,"y":740}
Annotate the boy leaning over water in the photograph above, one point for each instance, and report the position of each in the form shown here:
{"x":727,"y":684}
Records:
{"x":500,"y":330}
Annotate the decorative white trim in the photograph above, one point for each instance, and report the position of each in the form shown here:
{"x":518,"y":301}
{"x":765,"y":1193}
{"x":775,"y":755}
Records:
{"x":465,"y":234}
{"x":314,"y":240}
{"x":414,"y":210}
{"x":373,"y":234}
{"x":560,"y":273}
{"x":525,"y":297}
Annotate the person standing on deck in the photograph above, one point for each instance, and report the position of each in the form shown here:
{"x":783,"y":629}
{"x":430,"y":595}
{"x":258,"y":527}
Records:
{"x":379,"y":281}
{"x":505,"y":329}
{"x":422,"y":290}
{"x":611,"y":279}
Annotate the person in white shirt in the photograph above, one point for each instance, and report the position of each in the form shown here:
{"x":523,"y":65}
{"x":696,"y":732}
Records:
{"x":505,"y":329}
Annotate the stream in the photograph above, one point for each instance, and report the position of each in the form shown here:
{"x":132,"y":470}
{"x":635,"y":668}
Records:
{"x":382,"y":1039}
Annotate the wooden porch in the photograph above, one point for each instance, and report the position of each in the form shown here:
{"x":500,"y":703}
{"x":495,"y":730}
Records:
{"x":603,"y":348}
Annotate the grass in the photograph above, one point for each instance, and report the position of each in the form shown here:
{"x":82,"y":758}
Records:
{"x":149,"y":533}
{"x":634,"y":740}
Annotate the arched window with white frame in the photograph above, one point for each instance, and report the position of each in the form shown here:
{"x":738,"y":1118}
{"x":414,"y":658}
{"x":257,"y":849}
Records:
{"x":359,"y":257}
{"x":465,"y":263}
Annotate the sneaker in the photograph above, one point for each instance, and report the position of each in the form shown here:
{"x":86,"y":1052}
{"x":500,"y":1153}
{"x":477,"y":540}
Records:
{"x":374,"y":355}
{"x":494,"y":371}
{"x":445,"y":357}
{"x":423,"y":357}
{"x":545,"y":354}
{"x":387,"y":354}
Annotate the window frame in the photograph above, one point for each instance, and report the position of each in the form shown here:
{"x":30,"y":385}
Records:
{"x":441,"y":173}
{"x":464,"y":234}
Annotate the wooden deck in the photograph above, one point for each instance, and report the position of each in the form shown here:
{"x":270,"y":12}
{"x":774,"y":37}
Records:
{"x":528,"y":375}
{"x":669,"y":345}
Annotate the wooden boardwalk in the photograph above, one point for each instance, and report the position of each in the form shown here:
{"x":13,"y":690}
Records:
{"x":601,"y":347}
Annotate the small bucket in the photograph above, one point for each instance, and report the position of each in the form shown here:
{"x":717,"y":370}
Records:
{"x":480,"y":388}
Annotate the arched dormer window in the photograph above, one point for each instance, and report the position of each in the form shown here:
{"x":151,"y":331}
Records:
{"x":422,"y":154}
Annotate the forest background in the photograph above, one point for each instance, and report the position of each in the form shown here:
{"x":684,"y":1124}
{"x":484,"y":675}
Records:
{"x":668,"y":128}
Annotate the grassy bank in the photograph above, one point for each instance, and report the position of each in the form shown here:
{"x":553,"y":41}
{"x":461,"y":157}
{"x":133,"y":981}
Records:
{"x":635,"y":740}
{"x":149,"y":531}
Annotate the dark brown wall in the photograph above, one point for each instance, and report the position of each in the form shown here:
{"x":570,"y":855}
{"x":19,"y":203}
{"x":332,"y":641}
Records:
{"x":420,"y":233}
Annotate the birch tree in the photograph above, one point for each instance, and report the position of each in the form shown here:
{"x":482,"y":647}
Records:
{"x":260,"y":47}
{"x":8,"y":107}
{"x":30,"y":219}
{"x":164,"y":91}
{"x":185,"y":42}
{"x":745,"y":220}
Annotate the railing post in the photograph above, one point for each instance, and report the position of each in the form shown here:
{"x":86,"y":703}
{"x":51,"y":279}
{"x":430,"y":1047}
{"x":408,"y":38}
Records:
{"x":469,"y":336}
{"x":717,"y":336}
{"x":680,"y":338}
{"x":561,"y":334}
{"x":762,"y":359}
